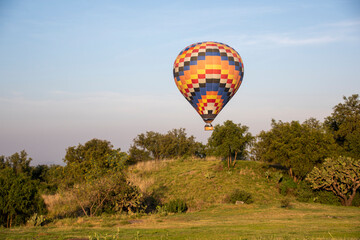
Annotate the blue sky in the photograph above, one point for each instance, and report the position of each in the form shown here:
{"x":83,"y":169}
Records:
{"x":75,"y":70}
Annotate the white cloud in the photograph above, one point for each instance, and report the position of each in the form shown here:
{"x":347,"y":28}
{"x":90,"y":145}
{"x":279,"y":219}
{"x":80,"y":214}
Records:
{"x":342,"y":31}
{"x":302,"y":41}
{"x":285,"y":40}
{"x":346,"y":23}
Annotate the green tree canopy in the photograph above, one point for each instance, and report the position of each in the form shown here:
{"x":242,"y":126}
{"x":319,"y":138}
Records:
{"x":299,"y":147}
{"x":19,"y":197}
{"x":340,"y":175}
{"x":94,"y":177}
{"x":344,"y":124}
{"x":229,"y":140}
{"x":19,"y":162}
{"x":92,"y":160}
{"x":173,"y":144}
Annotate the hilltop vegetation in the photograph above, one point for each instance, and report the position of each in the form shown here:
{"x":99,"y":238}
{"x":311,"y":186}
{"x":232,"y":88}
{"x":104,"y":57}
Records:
{"x":205,"y":187}
{"x":203,"y":183}
{"x":171,"y":172}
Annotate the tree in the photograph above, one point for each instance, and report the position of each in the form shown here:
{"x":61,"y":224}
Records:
{"x":92,"y":160}
{"x":19,"y":198}
{"x":176,"y":144}
{"x":149,"y":143}
{"x":200,"y":150}
{"x":39,"y":172}
{"x":173,"y":144}
{"x":137,"y":155}
{"x":112,"y":192}
{"x":53,"y":178}
{"x":344,"y":124}
{"x":49,"y":177}
{"x":340,"y":175}
{"x":229,"y":140}
{"x":94,"y":179}
{"x":19,"y":162}
{"x":298,"y":147}
{"x":2,"y":162}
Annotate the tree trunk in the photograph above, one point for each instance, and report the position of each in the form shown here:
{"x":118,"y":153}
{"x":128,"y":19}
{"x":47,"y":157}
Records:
{"x":233,"y":163}
{"x":83,"y":209}
{"x":292,"y":175}
{"x":345,"y":201}
{"x":348,"y":201}
{"x":101,"y":202}
{"x":10,"y":222}
{"x":229,"y":159}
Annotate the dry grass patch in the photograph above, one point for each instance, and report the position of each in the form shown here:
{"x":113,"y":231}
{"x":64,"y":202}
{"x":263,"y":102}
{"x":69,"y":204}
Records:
{"x":51,"y":201}
{"x":61,"y":204}
{"x":149,"y":166}
{"x":141,"y":182}
{"x":247,"y":171}
{"x":140,"y":173}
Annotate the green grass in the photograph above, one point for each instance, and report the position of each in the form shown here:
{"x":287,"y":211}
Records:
{"x":303,"y":221}
{"x":202,"y":182}
{"x":204,"y":186}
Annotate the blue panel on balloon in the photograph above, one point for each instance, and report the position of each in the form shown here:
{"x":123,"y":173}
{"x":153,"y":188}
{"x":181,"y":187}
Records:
{"x":212,"y":53}
{"x":215,"y":86}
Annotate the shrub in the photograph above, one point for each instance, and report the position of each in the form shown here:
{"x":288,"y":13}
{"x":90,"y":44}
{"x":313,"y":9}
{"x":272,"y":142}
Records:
{"x":209,"y":175}
{"x":151,"y":203}
{"x":305,"y":193}
{"x":326,"y":197}
{"x":108,"y":194}
{"x":161,"y":210}
{"x":239,"y":195}
{"x":356,"y":201}
{"x":285,"y":203}
{"x":287,"y":185}
{"x":176,"y":206}
{"x":37,"y":220}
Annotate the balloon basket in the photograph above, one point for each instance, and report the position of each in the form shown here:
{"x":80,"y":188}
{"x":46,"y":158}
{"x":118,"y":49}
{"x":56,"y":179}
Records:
{"x":209,"y":127}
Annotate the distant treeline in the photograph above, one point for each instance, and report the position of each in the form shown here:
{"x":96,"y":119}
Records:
{"x":94,"y":181}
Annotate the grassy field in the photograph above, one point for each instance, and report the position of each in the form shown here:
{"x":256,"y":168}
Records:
{"x":302,"y":221}
{"x":204,"y":185}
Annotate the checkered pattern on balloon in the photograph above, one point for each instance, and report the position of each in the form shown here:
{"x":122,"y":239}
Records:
{"x":208,"y":74}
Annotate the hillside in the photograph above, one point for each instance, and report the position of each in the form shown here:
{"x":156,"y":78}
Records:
{"x":203,"y":183}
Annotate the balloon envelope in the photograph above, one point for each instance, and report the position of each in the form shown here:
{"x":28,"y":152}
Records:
{"x":208,"y":74}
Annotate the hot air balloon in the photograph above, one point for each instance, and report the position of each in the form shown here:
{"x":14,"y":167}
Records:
{"x":208,"y":74}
